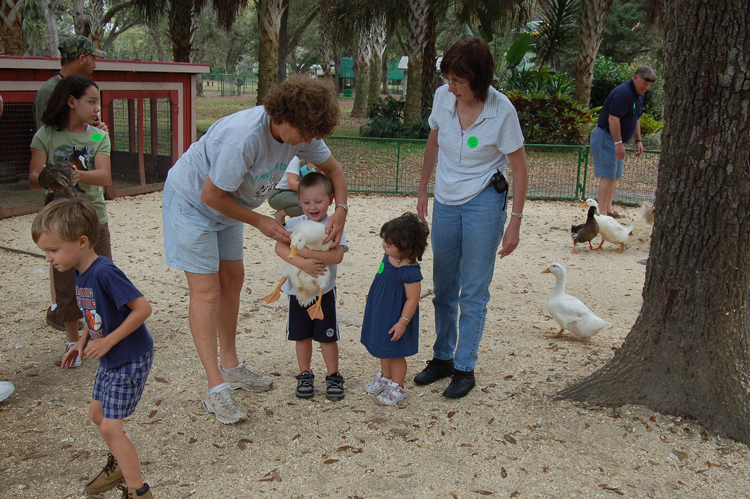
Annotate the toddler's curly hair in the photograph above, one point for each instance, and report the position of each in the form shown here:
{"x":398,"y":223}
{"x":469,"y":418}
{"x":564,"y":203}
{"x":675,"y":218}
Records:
{"x":408,"y":234}
{"x":307,"y":104}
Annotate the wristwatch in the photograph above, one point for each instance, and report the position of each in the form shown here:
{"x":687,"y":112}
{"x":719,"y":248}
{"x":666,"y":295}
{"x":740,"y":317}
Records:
{"x":344,"y":206}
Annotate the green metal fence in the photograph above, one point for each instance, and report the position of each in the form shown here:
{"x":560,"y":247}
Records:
{"x":394,"y":166}
{"x":226,"y":85}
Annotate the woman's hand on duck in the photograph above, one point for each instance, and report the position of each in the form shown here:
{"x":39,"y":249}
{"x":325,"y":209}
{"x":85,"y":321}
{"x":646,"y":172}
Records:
{"x":273,"y":229}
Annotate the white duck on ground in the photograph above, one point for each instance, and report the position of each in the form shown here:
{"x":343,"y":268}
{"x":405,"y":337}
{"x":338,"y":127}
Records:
{"x":610,"y":229}
{"x":568,"y":311}
{"x":305,"y":234}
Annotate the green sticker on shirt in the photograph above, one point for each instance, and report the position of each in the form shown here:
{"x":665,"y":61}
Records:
{"x":97,"y":137}
{"x":472,"y":142}
{"x":380,"y":269}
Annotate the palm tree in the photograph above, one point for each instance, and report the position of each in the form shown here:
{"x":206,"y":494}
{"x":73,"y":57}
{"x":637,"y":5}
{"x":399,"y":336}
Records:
{"x":11,"y":27}
{"x":269,"y":23}
{"x":181,"y":13}
{"x":417,"y":23}
{"x":594,"y":15}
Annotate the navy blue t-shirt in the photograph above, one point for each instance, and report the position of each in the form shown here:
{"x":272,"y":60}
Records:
{"x":626,"y":103}
{"x":103,"y":292}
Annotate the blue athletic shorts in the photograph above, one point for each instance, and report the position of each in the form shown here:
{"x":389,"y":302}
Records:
{"x":300,"y":326}
{"x":603,"y":153}
{"x":119,"y":389}
{"x":193,"y":242}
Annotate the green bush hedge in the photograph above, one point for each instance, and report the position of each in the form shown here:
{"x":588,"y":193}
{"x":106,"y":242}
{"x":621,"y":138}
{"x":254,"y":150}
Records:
{"x":385,"y":121}
{"x":550,"y":119}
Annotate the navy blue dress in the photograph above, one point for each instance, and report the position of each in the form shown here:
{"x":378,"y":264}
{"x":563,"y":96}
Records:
{"x":385,"y":302}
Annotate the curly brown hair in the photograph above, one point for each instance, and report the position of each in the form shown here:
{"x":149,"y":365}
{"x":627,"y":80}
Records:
{"x":307,"y":104}
{"x":407,"y":233}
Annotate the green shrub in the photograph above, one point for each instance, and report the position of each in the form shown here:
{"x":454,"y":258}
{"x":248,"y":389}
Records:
{"x":652,"y":140}
{"x":534,"y":80}
{"x":385,"y":121}
{"x":392,"y":129}
{"x":650,"y":126}
{"x":389,"y":108}
{"x":550,"y":119}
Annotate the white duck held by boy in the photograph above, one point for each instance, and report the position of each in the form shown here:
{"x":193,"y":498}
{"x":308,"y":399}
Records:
{"x":610,"y":229}
{"x":305,"y":234}
{"x":568,"y":311}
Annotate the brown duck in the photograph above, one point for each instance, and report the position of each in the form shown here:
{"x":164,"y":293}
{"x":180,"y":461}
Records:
{"x":584,"y":233}
{"x":58,"y":180}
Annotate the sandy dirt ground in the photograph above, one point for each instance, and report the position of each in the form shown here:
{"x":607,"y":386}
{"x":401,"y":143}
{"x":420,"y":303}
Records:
{"x":507,"y":438}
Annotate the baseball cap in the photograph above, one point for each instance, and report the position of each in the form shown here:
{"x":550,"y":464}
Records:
{"x":77,"y":45}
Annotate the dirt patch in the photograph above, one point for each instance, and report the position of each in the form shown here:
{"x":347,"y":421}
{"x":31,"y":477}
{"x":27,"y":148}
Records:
{"x":507,"y":438}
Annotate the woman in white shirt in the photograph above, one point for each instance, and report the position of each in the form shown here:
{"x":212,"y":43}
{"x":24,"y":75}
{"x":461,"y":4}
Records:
{"x":475,"y":135}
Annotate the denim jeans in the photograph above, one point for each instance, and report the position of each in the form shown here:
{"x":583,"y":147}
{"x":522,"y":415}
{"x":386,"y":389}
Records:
{"x":465,"y":241}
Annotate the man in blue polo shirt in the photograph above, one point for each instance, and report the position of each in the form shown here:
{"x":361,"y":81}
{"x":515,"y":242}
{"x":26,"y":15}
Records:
{"x":619,"y":120}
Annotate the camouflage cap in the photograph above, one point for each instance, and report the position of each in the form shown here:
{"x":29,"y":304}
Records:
{"x":77,"y":45}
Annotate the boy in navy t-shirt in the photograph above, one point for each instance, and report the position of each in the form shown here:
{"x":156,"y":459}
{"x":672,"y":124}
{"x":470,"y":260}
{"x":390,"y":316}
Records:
{"x":114,"y":312}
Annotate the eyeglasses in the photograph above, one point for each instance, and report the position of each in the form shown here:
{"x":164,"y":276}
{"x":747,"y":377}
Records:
{"x":648,"y":80}
{"x":455,"y":83}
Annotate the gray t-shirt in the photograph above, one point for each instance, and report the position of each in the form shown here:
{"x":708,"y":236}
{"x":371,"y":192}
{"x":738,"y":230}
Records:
{"x":240,"y":156}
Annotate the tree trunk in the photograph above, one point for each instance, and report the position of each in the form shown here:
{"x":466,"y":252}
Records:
{"x":688,"y":353}
{"x":325,"y":38}
{"x":181,"y":29}
{"x":269,"y":23}
{"x":429,"y":70}
{"x":49,"y":7}
{"x":362,"y":77}
{"x":378,"y":40}
{"x":283,"y":40}
{"x":97,"y":22}
{"x":11,"y":27}
{"x":594,"y":15}
{"x":79,"y":24}
{"x":417,"y":31}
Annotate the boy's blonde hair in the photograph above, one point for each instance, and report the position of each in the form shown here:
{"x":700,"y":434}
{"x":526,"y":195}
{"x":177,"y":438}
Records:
{"x":315,"y":178}
{"x":71,"y":218}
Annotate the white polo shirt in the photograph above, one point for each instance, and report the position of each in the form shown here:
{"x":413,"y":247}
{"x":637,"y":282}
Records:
{"x":468,"y":158}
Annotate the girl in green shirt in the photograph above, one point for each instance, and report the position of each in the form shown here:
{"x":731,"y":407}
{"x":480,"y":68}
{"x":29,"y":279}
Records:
{"x":70,"y":134}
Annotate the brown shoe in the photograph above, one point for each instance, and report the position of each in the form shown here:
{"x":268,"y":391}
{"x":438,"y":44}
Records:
{"x":107,"y":478}
{"x":614,"y":214}
{"x":128,"y":493}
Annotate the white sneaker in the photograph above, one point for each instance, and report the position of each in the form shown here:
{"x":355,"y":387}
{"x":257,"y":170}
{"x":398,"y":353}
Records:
{"x":378,"y":385}
{"x":392,"y":394}
{"x":6,"y":389}
{"x":242,"y":377}
{"x":222,"y":405}
{"x":78,"y":361}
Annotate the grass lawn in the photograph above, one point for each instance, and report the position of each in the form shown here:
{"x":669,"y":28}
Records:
{"x":211,"y":109}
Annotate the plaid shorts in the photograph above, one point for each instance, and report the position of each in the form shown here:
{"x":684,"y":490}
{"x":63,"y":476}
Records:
{"x":119,"y":389}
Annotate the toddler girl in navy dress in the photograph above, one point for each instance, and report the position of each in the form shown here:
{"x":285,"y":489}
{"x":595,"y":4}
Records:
{"x":390,"y":329}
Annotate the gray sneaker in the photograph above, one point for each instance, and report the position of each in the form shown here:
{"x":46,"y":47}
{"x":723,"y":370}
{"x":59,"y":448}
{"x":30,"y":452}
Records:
{"x":244,"y":378}
{"x":223,"y":406}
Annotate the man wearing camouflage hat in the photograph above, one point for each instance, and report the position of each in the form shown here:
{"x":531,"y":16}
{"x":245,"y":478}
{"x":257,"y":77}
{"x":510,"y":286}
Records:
{"x":77,"y":57}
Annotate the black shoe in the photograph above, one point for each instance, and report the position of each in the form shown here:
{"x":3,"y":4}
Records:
{"x":305,"y":385}
{"x":461,"y":384}
{"x":335,"y":386}
{"x":436,"y":369}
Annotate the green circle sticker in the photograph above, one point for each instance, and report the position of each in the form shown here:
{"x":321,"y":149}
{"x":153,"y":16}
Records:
{"x":97,"y":137}
{"x":472,"y":142}
{"x":380,"y":269}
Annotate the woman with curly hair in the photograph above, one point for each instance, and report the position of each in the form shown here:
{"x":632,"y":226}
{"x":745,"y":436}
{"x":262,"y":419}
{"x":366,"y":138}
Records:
{"x":212,"y":192}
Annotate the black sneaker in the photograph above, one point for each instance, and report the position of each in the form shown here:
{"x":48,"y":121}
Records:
{"x":305,"y":386}
{"x":436,"y":369}
{"x":461,"y":384}
{"x":335,"y":386}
